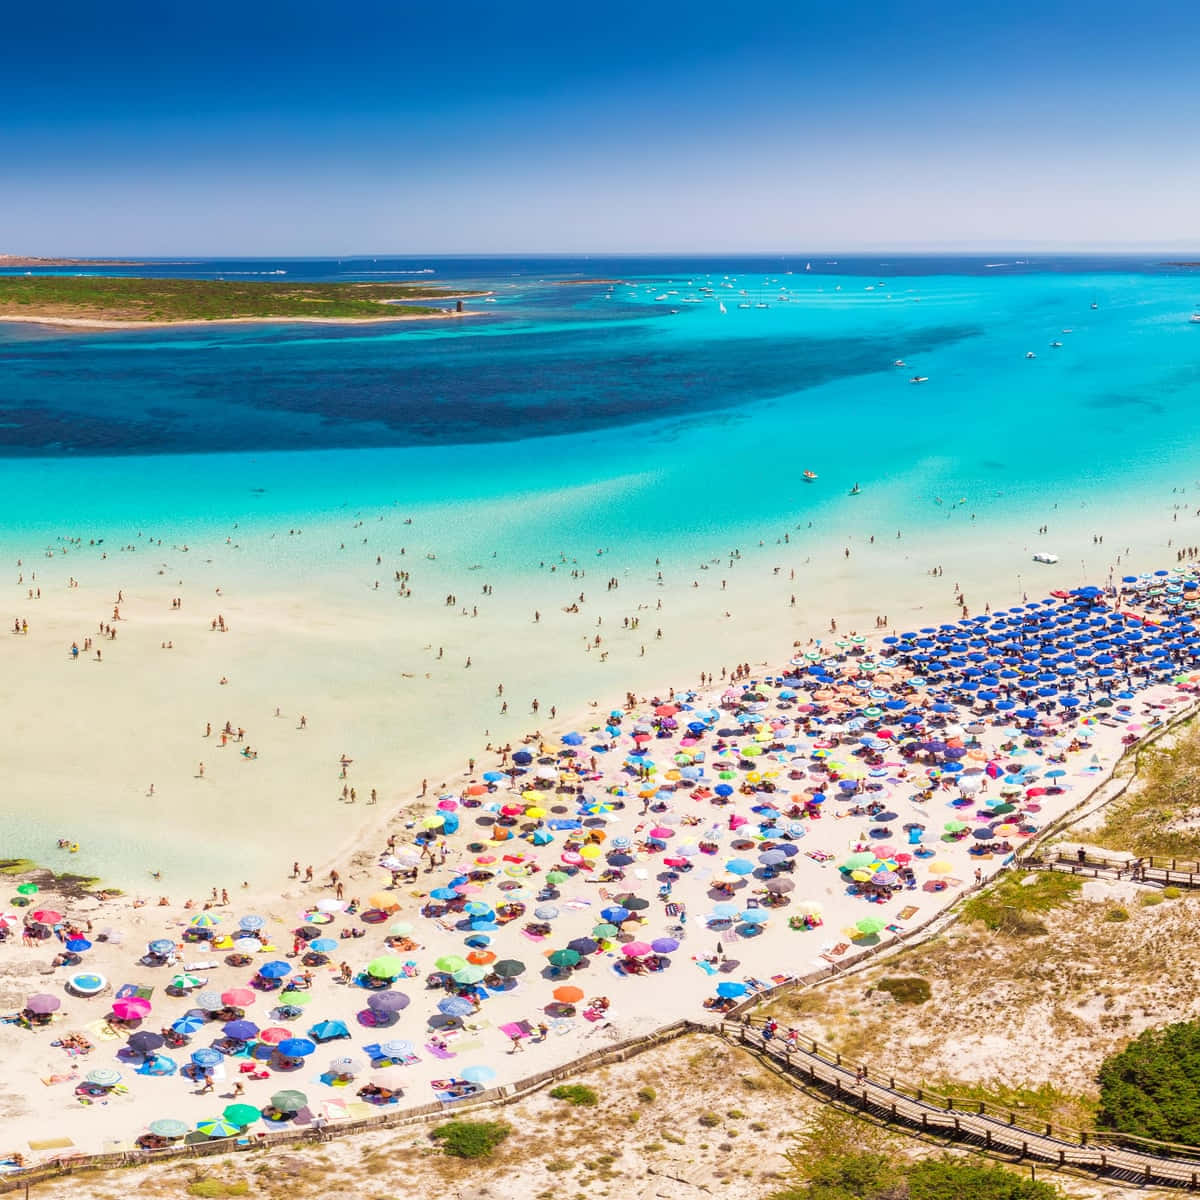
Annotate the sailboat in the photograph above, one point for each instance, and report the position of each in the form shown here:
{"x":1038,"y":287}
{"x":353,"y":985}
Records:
{"x":722,"y":305}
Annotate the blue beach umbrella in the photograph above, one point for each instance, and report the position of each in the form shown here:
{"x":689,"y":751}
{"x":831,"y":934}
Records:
{"x":206,"y":1057}
{"x":274,"y":970}
{"x":730,"y":989}
{"x":296,"y":1047}
{"x":188,"y":1024}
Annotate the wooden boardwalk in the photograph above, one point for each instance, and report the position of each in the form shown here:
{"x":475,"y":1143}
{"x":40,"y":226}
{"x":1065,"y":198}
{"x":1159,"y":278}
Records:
{"x":1163,"y":872}
{"x":973,"y":1123}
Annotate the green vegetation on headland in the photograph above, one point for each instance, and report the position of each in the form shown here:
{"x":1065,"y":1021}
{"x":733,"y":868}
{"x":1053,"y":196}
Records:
{"x":116,"y":299}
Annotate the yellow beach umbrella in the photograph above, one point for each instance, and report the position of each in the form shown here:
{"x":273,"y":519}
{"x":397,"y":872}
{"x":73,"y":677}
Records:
{"x":940,"y":867}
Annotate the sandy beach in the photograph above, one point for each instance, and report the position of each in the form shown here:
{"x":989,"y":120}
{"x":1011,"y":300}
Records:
{"x":240,"y":722}
{"x":100,"y":323}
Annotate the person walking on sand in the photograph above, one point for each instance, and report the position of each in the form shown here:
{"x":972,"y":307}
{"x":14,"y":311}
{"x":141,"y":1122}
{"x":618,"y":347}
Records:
{"x":200,"y":771}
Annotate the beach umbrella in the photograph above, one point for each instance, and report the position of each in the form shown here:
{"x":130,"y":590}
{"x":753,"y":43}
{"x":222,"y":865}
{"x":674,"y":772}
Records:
{"x":206,"y":1056}
{"x":253,"y":921}
{"x":104,"y":1077}
{"x":940,"y":867}
{"x":870,"y":925}
{"x":185,"y":982}
{"x":247,"y":945}
{"x":857,"y":861}
{"x":161,"y":947}
{"x":387,"y":1002}
{"x":754,"y":916}
{"x":146,"y":1041}
{"x":470,"y":974}
{"x":47,"y":916}
{"x":455,"y":1006}
{"x":204,"y":921}
{"x":739,"y":866}
{"x":345,"y":1066}
{"x":584,"y":945}
{"x":275,"y":969}
{"x":131,"y":1008}
{"x":450,"y":963}
{"x":242,"y":1030}
{"x":568,"y":995}
{"x":565,"y":958}
{"x":273,"y":1035}
{"x":28,"y":889}
{"x":294,"y":999}
{"x":235,"y":998}
{"x":241,"y":1114}
{"x":477,"y":1074}
{"x":168,"y":1127}
{"x":780,"y":886}
{"x":555,"y":877}
{"x":289,"y":1101}
{"x":731,"y":989}
{"x":296,"y":1047}
{"x":636,"y":949}
{"x":43,"y":1004}
{"x":615,"y":914}
{"x":399,"y":929}
{"x":218,"y":1127}
{"x":388,"y":966}
{"x":664,"y":945}
{"x":326,"y":1031}
{"x":323,"y":945}
{"x":724,"y":911}
{"x":605,"y":930}
{"x":508,"y":968}
{"x":187,"y":1024}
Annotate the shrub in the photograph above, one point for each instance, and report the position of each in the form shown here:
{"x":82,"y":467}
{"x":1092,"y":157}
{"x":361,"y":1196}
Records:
{"x":952,"y":1179}
{"x":1152,"y":1087}
{"x":647,"y":1095}
{"x":1150,"y":899}
{"x":1171,"y":892}
{"x":709,"y":1120}
{"x":471,"y":1139}
{"x":906,"y":991}
{"x":575,"y":1093}
{"x":1117,"y":914}
{"x":217,"y":1189}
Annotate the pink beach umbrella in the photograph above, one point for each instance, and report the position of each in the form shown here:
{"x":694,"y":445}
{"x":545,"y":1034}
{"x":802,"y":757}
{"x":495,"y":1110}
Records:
{"x":636,"y":949}
{"x":132,"y":1008}
{"x":238,"y":997}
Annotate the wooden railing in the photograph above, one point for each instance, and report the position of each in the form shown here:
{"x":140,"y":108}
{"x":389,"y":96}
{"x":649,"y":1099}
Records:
{"x":988,"y":1126}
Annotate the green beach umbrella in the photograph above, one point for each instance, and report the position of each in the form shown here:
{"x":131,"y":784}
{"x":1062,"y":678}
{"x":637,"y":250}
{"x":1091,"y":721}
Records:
{"x":469,"y":974}
{"x":298,"y":999}
{"x":241,"y":1114}
{"x":565,"y":958}
{"x":28,"y":889}
{"x":857,"y":861}
{"x":605,"y":930}
{"x":218,"y":1127}
{"x":955,"y":826}
{"x":508,"y":968}
{"x":450,"y":963}
{"x":186,"y":982}
{"x":401,"y":929}
{"x":556,"y":877}
{"x":289,"y":1101}
{"x":168,"y":1127}
{"x":388,"y":966}
{"x":870,"y":925}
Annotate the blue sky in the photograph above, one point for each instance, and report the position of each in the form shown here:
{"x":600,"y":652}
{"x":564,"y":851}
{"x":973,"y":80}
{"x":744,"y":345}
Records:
{"x":325,"y":128}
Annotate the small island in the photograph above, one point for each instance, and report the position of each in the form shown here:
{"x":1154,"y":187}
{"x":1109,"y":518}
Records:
{"x":111,"y":302}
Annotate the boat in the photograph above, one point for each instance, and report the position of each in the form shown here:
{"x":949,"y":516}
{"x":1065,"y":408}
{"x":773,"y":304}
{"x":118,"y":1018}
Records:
{"x":1055,"y":345}
{"x":744,"y":305}
{"x":1030,"y":354}
{"x":855,"y":490}
{"x":1044,"y":556}
{"x":721,"y":305}
{"x":919,"y":379}
{"x":899,"y":363}
{"x":809,"y":476}
{"x":662,"y":297}
{"x":1095,"y":305}
{"x":1195,"y":319}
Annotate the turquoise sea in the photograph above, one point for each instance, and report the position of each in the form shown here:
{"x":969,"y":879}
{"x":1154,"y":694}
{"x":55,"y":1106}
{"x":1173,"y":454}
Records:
{"x":692,"y":421}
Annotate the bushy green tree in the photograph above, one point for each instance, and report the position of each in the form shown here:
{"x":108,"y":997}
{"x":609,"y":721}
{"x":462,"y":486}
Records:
{"x":1152,"y":1087}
